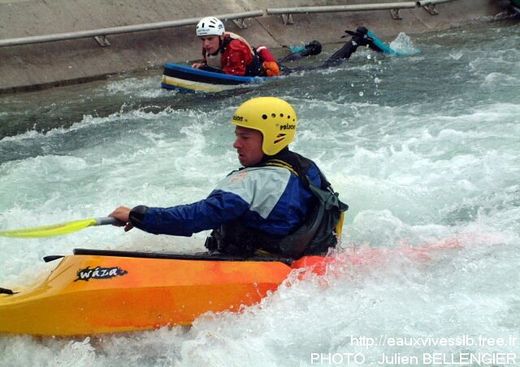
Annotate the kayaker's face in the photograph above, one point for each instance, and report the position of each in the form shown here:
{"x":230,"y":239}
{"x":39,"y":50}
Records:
{"x":248,"y":143}
{"x":210,"y":44}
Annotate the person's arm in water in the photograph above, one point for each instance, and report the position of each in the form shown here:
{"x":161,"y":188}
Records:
{"x":310,"y":49}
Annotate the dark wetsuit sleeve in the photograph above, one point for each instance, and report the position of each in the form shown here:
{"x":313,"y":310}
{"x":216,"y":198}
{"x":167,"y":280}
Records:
{"x":184,"y":220}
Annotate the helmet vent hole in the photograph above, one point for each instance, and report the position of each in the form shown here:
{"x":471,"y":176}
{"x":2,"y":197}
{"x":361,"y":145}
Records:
{"x":264,"y":116}
{"x":273,"y":115}
{"x":281,"y":115}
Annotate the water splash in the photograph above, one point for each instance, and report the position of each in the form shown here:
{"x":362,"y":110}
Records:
{"x":404,"y":45}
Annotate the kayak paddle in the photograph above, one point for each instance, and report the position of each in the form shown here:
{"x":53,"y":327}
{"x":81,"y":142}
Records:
{"x":58,"y":229}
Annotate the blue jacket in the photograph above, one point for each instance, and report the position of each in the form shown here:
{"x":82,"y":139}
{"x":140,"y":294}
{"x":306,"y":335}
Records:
{"x":271,"y":199}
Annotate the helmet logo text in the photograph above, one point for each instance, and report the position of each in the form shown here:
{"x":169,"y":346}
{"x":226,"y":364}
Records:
{"x":287,"y":127}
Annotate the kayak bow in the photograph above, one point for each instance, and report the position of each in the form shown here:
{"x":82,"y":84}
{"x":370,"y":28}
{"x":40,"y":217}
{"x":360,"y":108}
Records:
{"x":93,"y":292}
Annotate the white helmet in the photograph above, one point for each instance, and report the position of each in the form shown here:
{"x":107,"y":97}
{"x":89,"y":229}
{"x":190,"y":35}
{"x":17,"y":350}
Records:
{"x":210,"y":26}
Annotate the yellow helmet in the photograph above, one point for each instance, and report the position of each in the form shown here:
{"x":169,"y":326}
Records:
{"x":273,"y":117}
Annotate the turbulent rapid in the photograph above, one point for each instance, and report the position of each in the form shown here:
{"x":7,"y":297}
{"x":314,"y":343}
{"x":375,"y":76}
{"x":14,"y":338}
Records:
{"x":423,"y":148}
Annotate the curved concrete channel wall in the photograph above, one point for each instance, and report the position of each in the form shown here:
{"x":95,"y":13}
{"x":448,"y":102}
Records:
{"x":41,"y":65}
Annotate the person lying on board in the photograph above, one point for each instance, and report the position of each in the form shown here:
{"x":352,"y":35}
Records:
{"x":227,"y":52}
{"x":277,"y":203}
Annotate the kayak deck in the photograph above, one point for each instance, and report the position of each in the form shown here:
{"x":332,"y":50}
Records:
{"x":93,"y":292}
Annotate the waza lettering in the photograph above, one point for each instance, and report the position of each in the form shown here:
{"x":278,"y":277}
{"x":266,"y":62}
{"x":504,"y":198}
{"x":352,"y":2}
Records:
{"x":99,"y":273}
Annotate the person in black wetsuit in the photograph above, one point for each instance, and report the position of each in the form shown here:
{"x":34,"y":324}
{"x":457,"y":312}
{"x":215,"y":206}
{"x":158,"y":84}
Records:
{"x":359,"y":37}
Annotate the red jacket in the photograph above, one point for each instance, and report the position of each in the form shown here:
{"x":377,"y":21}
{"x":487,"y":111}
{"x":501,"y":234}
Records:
{"x":236,"y":57}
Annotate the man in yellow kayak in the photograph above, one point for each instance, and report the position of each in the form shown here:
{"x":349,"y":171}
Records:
{"x":279,"y":202}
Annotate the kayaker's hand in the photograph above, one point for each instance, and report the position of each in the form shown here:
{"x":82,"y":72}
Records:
{"x":197,"y":65}
{"x":122,"y":214}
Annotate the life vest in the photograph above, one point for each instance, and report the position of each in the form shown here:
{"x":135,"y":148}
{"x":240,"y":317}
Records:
{"x":318,"y":232}
{"x":230,"y":36}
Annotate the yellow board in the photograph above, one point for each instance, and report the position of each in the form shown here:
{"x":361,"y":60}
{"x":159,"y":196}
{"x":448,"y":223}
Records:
{"x":196,"y":86}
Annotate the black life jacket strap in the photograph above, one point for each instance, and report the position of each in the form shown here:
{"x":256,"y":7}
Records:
{"x":297,"y":164}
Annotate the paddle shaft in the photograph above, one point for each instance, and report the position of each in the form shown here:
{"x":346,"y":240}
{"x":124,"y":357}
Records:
{"x":60,"y":229}
{"x":102,"y":221}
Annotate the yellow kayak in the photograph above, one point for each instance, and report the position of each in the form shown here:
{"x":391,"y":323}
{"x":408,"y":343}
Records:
{"x":94,"y":292}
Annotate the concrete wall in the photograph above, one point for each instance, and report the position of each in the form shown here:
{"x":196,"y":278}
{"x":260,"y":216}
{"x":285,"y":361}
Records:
{"x":46,"y":64}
